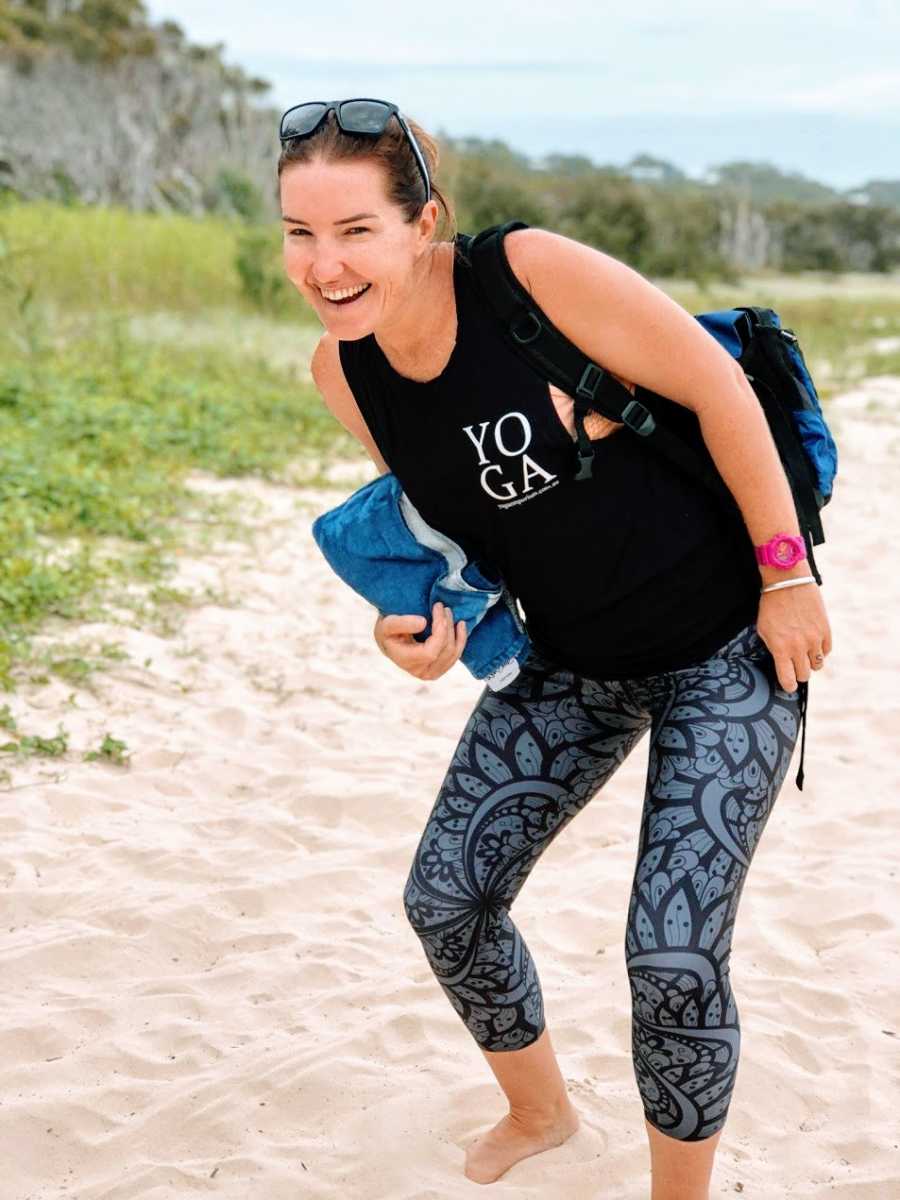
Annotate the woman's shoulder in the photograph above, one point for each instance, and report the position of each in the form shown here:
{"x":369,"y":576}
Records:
{"x":580,"y":289}
{"x":544,"y":261}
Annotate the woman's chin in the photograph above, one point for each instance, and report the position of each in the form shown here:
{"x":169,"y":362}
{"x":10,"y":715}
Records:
{"x":346,"y":330}
{"x":347,"y":327}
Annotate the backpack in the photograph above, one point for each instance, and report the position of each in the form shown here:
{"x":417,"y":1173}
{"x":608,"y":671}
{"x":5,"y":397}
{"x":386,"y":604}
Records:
{"x":769,"y":355}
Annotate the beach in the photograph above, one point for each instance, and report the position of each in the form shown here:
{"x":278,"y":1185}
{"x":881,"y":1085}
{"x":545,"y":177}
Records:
{"x":210,"y":986}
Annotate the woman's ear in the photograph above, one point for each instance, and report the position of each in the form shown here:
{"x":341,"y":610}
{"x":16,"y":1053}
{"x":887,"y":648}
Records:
{"x":426,"y":223}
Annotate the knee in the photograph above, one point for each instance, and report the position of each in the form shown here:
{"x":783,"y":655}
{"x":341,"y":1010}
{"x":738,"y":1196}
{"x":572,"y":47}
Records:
{"x":446,"y":922}
{"x":680,"y":987}
{"x":433,"y":894}
{"x":428,"y":901}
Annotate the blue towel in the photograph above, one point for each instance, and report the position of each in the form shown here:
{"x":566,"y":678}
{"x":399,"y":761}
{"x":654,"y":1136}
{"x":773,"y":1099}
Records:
{"x":380,"y":545}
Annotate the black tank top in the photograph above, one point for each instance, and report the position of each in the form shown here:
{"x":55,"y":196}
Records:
{"x":635,"y":571}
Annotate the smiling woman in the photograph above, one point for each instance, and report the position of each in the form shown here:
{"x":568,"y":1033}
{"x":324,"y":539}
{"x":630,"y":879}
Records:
{"x":641,"y":598}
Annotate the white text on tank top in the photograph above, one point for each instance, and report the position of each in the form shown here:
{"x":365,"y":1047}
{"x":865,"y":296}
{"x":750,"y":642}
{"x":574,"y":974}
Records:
{"x":507,"y":472}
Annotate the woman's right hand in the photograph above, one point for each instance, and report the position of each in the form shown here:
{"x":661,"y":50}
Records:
{"x":425,"y":660}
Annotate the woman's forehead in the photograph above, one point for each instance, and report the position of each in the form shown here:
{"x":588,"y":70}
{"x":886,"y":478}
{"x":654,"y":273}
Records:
{"x":325,"y":183}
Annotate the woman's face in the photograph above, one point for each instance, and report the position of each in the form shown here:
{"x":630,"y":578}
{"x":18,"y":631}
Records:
{"x":326,"y":252}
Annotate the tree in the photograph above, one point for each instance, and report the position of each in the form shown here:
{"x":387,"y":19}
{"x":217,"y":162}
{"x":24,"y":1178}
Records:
{"x":606,"y":210}
{"x":483,"y":198}
{"x":762,"y":182}
{"x":91,"y":30}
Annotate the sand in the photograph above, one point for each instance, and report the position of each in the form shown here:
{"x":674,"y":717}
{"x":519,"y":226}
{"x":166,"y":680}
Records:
{"x":209,"y":983}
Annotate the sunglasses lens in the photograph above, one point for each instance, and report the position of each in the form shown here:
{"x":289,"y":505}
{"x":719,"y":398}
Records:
{"x":364,"y":116}
{"x":299,"y":121}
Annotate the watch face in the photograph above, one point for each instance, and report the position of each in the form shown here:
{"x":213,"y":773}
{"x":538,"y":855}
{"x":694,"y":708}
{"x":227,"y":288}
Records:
{"x":785,"y":551}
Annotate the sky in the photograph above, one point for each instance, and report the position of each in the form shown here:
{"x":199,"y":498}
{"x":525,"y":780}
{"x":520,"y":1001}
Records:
{"x":809,"y":85}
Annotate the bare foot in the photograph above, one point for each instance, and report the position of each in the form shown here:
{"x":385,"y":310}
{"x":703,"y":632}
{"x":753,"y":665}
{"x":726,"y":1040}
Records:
{"x":511,"y":1139}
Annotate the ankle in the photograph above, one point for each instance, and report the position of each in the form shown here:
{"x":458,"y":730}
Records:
{"x":543,"y":1117}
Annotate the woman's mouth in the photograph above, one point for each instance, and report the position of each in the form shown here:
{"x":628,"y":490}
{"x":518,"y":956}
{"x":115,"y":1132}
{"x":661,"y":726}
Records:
{"x":344,"y":296}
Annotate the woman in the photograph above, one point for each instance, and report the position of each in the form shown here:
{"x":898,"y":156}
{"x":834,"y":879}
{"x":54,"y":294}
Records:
{"x":642,"y":599}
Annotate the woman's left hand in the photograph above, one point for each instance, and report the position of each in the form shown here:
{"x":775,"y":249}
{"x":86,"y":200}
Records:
{"x":794,"y":625}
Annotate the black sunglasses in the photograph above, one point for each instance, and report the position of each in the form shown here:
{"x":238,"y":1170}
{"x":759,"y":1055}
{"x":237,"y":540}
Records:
{"x":362,"y":115}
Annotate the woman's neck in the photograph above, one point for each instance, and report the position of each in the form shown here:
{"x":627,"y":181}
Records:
{"x":421,"y":338}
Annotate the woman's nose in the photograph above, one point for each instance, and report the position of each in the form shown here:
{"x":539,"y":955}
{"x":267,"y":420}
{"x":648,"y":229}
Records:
{"x":326,"y":268}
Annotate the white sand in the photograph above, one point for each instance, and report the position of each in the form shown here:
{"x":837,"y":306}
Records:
{"x":209,"y":984}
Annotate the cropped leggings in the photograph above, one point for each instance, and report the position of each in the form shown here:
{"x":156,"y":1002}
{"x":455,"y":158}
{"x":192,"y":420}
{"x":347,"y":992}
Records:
{"x":530,"y":758}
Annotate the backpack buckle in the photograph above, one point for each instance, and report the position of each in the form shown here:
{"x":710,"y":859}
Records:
{"x":527,"y":334}
{"x":590,"y":380}
{"x":638,"y":418}
{"x":585,"y":466}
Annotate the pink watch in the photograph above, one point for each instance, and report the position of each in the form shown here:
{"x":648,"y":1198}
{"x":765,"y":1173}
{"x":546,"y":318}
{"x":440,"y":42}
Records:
{"x":783,"y":550}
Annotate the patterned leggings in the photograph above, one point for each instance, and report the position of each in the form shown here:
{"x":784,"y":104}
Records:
{"x":530,"y":758}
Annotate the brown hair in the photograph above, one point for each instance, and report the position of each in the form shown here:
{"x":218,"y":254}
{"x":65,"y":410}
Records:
{"x":406,"y":187}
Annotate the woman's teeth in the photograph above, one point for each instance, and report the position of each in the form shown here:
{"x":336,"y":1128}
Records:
{"x":345,"y":295}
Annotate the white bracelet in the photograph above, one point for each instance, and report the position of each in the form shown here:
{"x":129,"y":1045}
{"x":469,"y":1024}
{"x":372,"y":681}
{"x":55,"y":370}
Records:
{"x":773,"y":587}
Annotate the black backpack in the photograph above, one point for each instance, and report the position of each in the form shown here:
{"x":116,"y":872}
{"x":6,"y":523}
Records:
{"x":769,"y":355}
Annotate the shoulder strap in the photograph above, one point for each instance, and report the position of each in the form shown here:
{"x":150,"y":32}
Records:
{"x":533,"y":336}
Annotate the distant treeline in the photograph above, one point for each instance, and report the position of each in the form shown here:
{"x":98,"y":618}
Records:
{"x":747,"y":216}
{"x":99,"y":106}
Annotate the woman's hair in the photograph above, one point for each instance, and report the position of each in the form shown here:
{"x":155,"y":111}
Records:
{"x":392,"y":150}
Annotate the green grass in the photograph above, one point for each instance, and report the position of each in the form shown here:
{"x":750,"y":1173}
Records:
{"x":88,"y":259}
{"x":96,"y":440}
{"x":131,"y":354}
{"x":837,"y":321}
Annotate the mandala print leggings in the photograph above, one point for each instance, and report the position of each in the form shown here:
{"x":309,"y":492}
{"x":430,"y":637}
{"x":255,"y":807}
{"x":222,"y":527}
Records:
{"x":530,"y":758}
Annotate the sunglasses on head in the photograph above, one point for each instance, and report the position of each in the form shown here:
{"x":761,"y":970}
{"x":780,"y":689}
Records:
{"x":362,"y":116}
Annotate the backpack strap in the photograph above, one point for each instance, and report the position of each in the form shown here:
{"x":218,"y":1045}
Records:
{"x":534,"y":337}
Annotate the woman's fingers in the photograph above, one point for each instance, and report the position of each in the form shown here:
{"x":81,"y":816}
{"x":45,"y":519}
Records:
{"x":441,"y":646}
{"x":815,"y":662}
{"x":395,"y":624}
{"x":395,"y":629}
{"x":795,"y":652}
{"x":787,"y":678}
{"x":795,"y":666}
{"x":428,"y":659}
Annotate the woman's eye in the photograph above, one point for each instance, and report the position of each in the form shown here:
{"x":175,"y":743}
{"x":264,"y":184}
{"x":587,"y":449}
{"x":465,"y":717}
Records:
{"x":352,"y":229}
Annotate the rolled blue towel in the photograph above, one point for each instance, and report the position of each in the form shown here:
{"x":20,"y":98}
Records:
{"x":380,"y":545}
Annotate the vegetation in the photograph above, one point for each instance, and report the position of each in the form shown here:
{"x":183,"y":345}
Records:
{"x":97,"y":32}
{"x":100,"y":423}
{"x":85,"y":258}
{"x":746,"y":216}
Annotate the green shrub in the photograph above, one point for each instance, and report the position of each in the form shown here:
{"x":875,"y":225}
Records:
{"x":262,"y":278}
